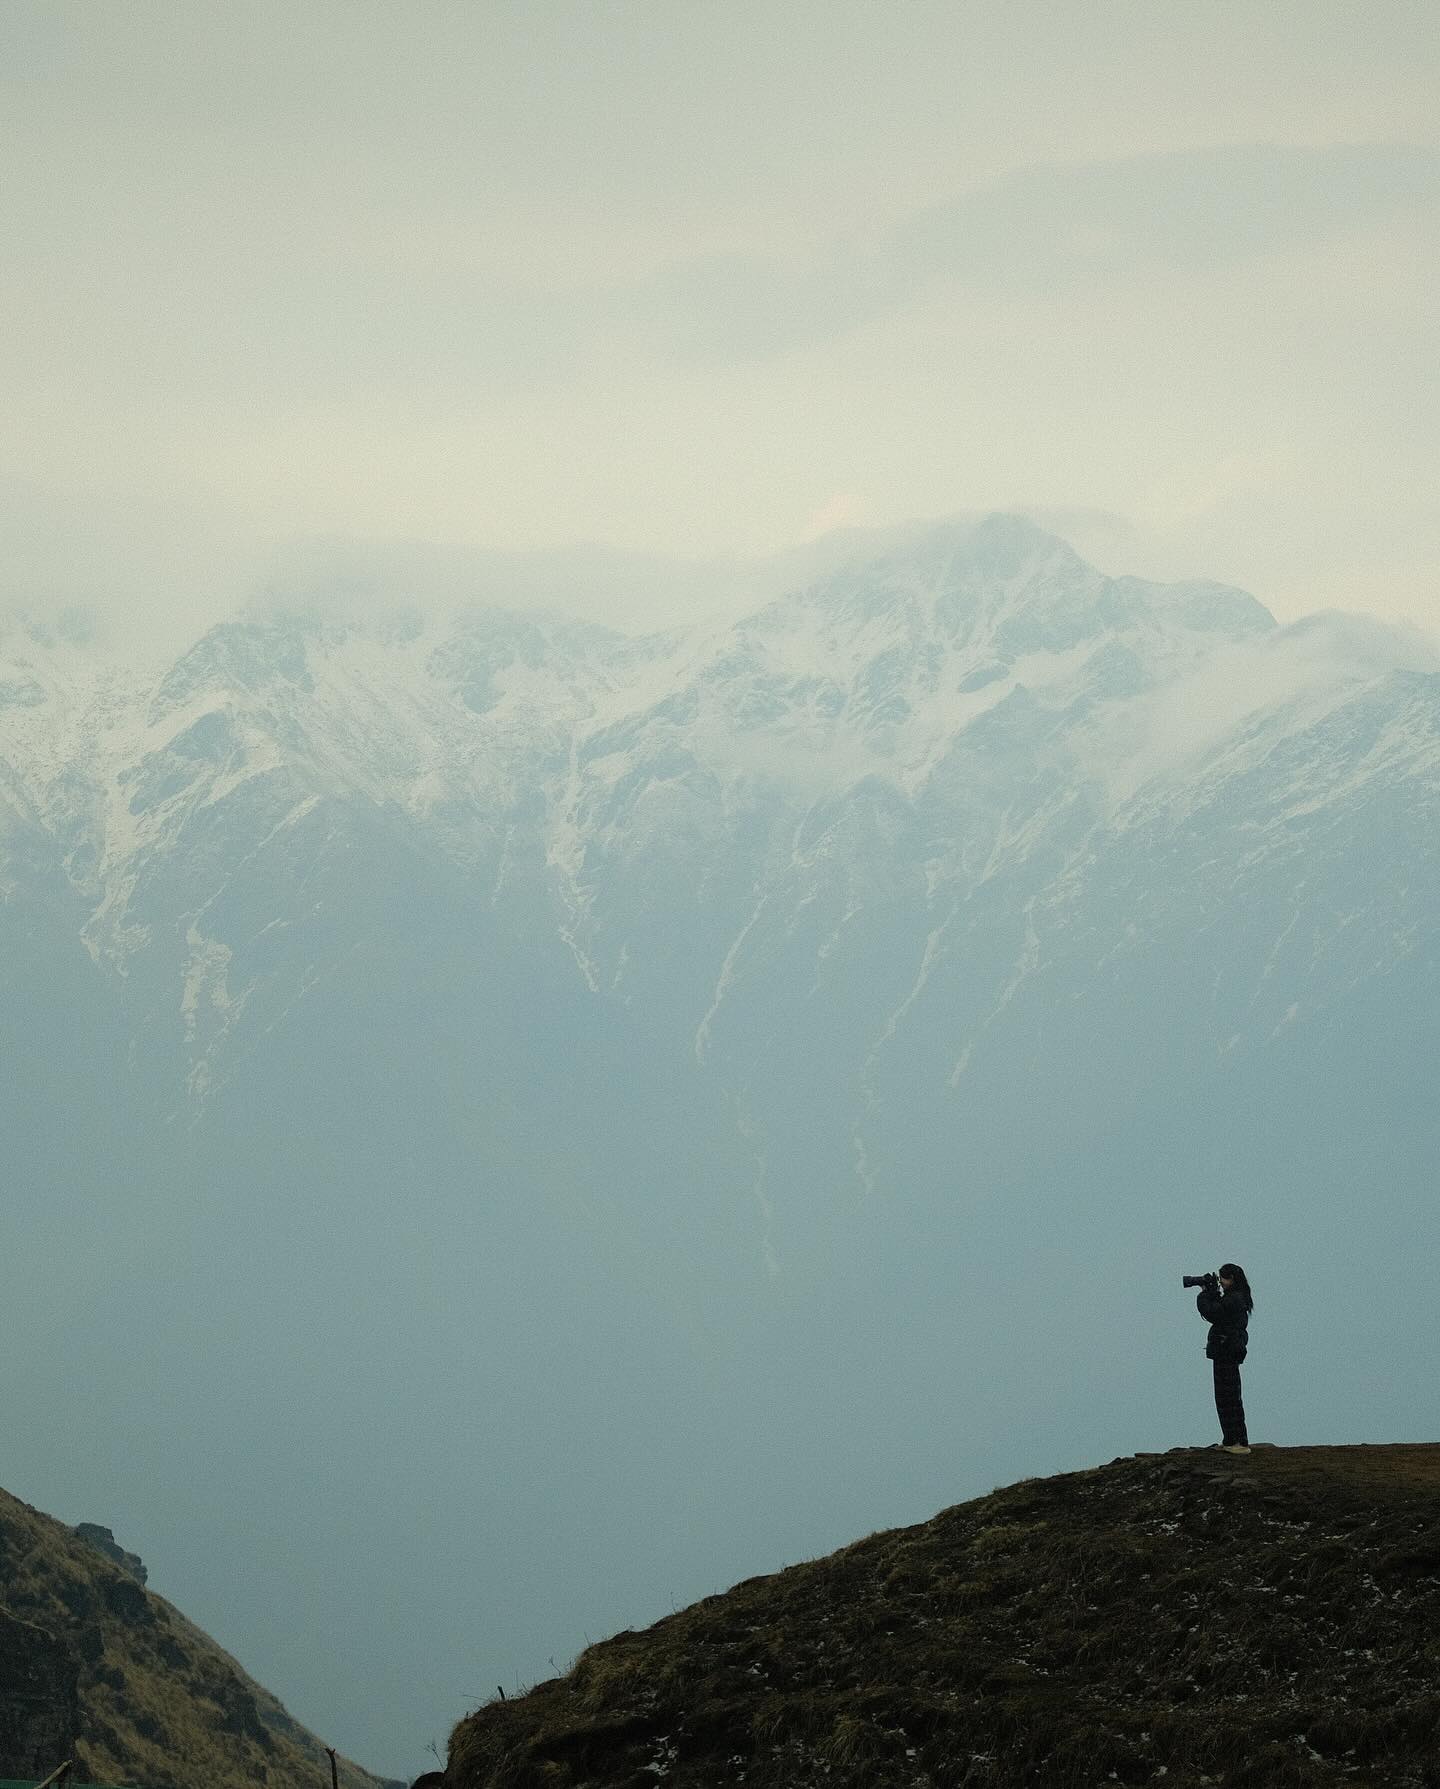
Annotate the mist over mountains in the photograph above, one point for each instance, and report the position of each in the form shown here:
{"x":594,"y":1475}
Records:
{"x":513,"y":1125}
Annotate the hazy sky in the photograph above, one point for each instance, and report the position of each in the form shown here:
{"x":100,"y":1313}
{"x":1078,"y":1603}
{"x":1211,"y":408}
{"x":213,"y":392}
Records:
{"x":306,"y":294}
{"x":711,"y":279}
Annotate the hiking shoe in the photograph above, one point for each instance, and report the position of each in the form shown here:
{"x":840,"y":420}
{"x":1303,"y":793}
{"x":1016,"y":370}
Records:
{"x":1237,"y":1447}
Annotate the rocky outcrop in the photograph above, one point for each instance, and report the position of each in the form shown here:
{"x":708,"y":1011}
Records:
{"x":95,"y":1667}
{"x":39,"y":1698}
{"x":104,"y":1542}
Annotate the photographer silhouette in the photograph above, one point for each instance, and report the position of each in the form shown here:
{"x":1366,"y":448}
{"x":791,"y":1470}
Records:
{"x":1225,"y":1302}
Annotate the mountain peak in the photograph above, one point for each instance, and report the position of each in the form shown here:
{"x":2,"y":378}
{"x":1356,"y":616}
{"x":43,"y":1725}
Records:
{"x":995,"y":549}
{"x":1001,"y":589}
{"x":238,"y":656}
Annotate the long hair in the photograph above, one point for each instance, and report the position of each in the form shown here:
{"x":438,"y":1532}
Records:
{"x":1231,"y":1272}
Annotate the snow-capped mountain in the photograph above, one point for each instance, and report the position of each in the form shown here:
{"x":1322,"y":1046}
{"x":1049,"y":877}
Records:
{"x":731,"y":1030}
{"x":905,"y":787}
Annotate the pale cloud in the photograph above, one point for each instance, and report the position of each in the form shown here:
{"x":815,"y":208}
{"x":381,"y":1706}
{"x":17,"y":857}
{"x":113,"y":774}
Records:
{"x":843,"y":510}
{"x":662,"y":279}
{"x":1293,"y":676}
{"x":1189,"y":493}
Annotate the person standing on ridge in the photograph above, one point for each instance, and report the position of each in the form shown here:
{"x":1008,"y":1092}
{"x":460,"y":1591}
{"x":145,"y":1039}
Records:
{"x":1225,"y":1303}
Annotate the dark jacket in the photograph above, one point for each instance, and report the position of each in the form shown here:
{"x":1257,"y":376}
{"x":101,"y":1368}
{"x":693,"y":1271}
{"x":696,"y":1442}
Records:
{"x":1229,"y":1323}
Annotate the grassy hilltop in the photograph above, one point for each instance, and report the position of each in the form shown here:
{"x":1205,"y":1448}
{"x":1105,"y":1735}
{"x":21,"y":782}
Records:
{"x":1187,"y":1618}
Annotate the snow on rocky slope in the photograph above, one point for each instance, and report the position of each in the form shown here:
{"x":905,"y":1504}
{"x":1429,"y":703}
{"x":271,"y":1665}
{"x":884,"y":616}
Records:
{"x":979,"y":705}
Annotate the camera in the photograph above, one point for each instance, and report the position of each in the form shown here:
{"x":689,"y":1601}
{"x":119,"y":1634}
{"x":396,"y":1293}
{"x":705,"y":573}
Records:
{"x":1208,"y":1280}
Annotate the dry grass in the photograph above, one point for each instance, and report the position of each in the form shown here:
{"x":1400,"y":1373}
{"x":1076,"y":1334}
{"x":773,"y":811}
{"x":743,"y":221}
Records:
{"x":161,"y":1704}
{"x":1182,"y":1619}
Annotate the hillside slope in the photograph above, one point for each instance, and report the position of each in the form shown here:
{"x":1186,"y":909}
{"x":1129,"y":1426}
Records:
{"x":159,"y":1702}
{"x":1186,"y":1618}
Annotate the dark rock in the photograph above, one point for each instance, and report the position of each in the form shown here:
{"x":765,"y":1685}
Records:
{"x":39,"y":1698}
{"x":104,"y":1542}
{"x":125,"y":1598}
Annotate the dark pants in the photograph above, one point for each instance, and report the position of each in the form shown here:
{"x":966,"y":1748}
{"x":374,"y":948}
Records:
{"x":1229,"y":1406}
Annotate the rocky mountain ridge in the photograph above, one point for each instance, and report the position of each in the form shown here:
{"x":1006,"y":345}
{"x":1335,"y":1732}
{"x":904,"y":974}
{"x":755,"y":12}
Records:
{"x":96,"y":1668}
{"x":979,"y":699}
